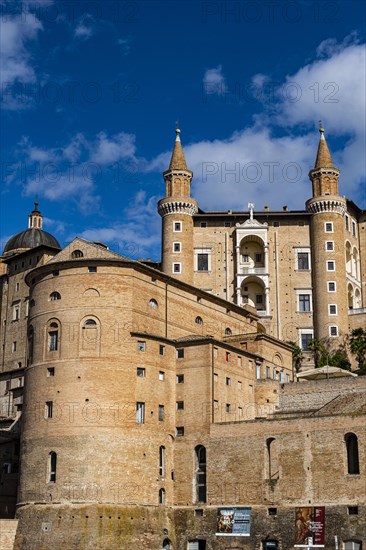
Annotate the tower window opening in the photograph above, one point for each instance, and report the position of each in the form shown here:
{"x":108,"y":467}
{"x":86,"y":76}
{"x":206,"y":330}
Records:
{"x":52,"y":465}
{"x":353,"y":465}
{"x":200,"y":474}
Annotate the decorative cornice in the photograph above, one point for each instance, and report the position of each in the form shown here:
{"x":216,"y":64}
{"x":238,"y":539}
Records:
{"x":177,"y":207}
{"x":169,"y":174}
{"x":317,"y":206}
{"x":323,"y":171}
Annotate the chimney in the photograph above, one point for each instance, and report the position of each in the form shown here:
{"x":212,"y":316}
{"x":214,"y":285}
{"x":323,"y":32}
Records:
{"x":266,"y":208}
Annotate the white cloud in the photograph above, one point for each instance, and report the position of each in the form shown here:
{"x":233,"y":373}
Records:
{"x":85,"y":27}
{"x":138,"y":236}
{"x":107,"y":150}
{"x":214,"y":81}
{"x":16,"y":34}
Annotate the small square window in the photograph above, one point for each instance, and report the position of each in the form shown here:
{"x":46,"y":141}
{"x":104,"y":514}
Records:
{"x":92,"y":269}
{"x":161,"y":349}
{"x":56,"y":273}
{"x":176,"y":247}
{"x":179,"y":431}
{"x":353,"y":510}
{"x":331,"y":265}
{"x":203,"y":224}
{"x":328,"y":227}
{"x":176,"y":268}
{"x":161,"y":413}
{"x":179,"y":378}
{"x":140,"y":372}
{"x":198,"y":513}
{"x":180,"y":405}
{"x":272,"y":511}
{"x":50,"y":371}
{"x":331,"y":286}
{"x":333,"y":330}
{"x":161,"y":375}
{"x":180,"y":353}
{"x":177,"y":227}
{"x":329,"y":246}
{"x":276,"y":224}
{"x":228,"y":381}
{"x":227,"y":224}
{"x":332,"y":309}
{"x":141,"y":345}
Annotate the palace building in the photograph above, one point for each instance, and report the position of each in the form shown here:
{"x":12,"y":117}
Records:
{"x":154,"y":406}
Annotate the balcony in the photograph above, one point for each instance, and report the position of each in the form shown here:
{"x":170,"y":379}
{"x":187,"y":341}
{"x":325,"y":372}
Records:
{"x":357,"y":311}
{"x":253,"y":271}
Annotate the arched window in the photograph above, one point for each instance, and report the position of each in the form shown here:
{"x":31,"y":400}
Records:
{"x":53,"y":337}
{"x":353,"y":465}
{"x":166,"y":544}
{"x":153,"y":303}
{"x":77,"y":254}
{"x":162,"y":461}
{"x":55,"y":296}
{"x":30,"y":345}
{"x":51,"y":467}
{"x":198,"y":320}
{"x":272,"y":458}
{"x":228,"y":331}
{"x":162,"y":496}
{"x":89,"y":323}
{"x":200,"y":473}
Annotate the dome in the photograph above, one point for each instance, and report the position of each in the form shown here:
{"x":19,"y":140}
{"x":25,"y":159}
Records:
{"x":30,"y":238}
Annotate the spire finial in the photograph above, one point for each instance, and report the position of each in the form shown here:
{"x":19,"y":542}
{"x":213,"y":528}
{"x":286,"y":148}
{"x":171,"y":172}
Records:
{"x":36,"y":203}
{"x":321,"y":129}
{"x":177,"y":131}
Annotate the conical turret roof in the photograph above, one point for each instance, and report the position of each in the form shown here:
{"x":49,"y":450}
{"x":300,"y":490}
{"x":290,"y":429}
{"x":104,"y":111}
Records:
{"x":178,"y":161}
{"x":323,"y":157}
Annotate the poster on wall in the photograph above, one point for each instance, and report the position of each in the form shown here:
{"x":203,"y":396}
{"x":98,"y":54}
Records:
{"x":309,"y":526}
{"x":233,"y":522}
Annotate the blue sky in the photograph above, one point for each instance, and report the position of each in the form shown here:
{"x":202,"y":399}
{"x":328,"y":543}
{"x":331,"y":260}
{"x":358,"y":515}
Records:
{"x":91,"y":91}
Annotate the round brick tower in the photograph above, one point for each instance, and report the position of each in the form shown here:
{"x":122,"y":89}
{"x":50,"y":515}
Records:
{"x":327,"y":254}
{"x":177,"y":210}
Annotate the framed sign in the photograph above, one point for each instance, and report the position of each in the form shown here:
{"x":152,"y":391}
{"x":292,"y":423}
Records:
{"x":233,"y":522}
{"x":309,"y":526}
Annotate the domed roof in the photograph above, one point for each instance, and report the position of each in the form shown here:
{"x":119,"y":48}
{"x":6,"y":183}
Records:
{"x":30,"y":238}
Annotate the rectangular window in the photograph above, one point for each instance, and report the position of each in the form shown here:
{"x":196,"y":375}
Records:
{"x":287,"y":378}
{"x":51,"y":371}
{"x":92,"y":269}
{"x":305,"y":338}
{"x":161,"y":461}
{"x":268,"y":373}
{"x":304,"y":302}
{"x":16,"y":312}
{"x":245,"y":258}
{"x":257,"y":371}
{"x":331,"y":286}
{"x":176,"y":247}
{"x":332,"y":309}
{"x":259,"y":298}
{"x":202,"y":262}
{"x":179,"y":378}
{"x":354,"y":229}
{"x":177,"y":267}
{"x":141,"y":345}
{"x":331,"y":265}
{"x":48,"y":409}
{"x":17,"y":284}
{"x":333,"y":331}
{"x":177,"y":227}
{"x":161,"y":375}
{"x":203,"y":224}
{"x":329,"y":246}
{"x":228,"y":381}
{"x":180,"y":353}
{"x":140,"y":412}
{"x":179,"y":405}
{"x":303,"y":263}
{"x":179,"y":431}
{"x":227,"y":224}
{"x":347,"y":223}
{"x":258,"y":258}
{"x":14,"y":347}
{"x":328,"y":227}
{"x":161,"y":413}
{"x":140,"y":372}
{"x":161,"y":349}
{"x":276,"y":224}
{"x":228,"y":407}
{"x":275,"y":374}
{"x":227,"y":356}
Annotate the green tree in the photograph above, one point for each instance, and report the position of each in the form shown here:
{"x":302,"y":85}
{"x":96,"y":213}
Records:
{"x":357,"y":345}
{"x":319,"y":352}
{"x":297,"y":356}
